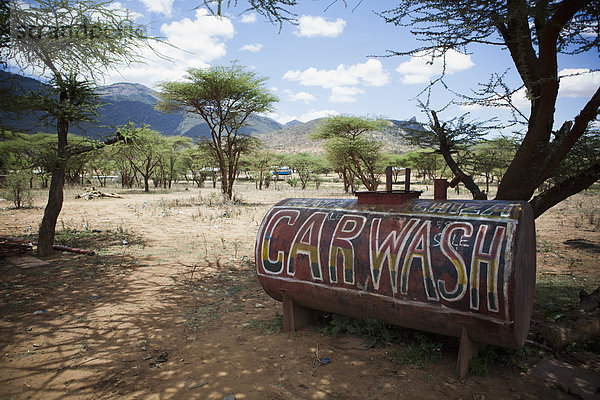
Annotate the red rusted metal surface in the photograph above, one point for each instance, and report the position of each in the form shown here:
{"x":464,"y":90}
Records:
{"x":440,"y":187}
{"x":394,"y":197}
{"x":447,"y":267}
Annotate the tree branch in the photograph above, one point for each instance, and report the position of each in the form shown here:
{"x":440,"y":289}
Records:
{"x":580,"y":125}
{"x":85,"y":149}
{"x":452,"y":164}
{"x":562,"y":190}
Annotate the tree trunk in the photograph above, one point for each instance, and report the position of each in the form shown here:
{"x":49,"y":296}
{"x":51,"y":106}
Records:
{"x":467,"y":180}
{"x":345,"y":178}
{"x":53,"y":208}
{"x":55,"y":194}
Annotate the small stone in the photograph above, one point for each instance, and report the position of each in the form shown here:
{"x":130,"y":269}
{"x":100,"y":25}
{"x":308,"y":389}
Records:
{"x":258,"y":305}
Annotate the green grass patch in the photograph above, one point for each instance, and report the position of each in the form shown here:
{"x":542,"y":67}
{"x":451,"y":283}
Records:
{"x":95,"y":239}
{"x":273,"y":326}
{"x":556,"y":295}
{"x":200,"y":316}
{"x":592,"y":345}
{"x":369,"y":327}
{"x":492,"y":356}
{"x":422,"y":350}
{"x":416,"y":348}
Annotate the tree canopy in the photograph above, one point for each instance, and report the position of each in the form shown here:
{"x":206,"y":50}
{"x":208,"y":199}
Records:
{"x":348,"y":147}
{"x":534,"y":33}
{"x":71,"y":43}
{"x":225,"y":97}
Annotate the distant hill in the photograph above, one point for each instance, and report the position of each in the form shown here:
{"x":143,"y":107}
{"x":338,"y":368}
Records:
{"x":296,"y":137}
{"x":292,"y":123}
{"x":123,"y":102}
{"x":134,"y":102}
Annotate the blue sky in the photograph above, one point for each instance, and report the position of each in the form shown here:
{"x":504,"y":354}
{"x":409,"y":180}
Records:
{"x":330,"y":63}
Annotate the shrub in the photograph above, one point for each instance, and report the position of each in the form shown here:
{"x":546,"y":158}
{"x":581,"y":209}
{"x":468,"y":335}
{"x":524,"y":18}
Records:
{"x":17,"y":189}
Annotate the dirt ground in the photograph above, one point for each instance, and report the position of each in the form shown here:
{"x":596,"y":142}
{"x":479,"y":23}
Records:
{"x":169,"y":308}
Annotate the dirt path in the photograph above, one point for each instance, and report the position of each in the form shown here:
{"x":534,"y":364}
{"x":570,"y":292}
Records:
{"x":169,"y":308}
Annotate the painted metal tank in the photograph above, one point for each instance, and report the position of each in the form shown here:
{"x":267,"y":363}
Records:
{"x":443,"y":266}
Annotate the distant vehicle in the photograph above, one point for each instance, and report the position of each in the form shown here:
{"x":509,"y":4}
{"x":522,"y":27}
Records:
{"x":282,"y":171}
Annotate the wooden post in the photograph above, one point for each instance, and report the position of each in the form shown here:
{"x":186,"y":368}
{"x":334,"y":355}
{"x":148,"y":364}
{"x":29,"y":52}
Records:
{"x":467,"y":350}
{"x":294,"y":316}
{"x":407,"y":179}
{"x":388,"y":178}
{"x":440,"y":189}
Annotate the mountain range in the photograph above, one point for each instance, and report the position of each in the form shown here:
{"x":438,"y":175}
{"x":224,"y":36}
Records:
{"x":123,"y":102}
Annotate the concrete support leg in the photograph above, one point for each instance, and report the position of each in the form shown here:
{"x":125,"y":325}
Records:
{"x":467,"y":350}
{"x":294,"y":316}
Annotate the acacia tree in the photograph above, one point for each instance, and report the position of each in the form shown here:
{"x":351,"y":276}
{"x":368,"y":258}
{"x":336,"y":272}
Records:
{"x":174,"y":148}
{"x":24,"y":152}
{"x":535,"y":33}
{"x":346,"y":140}
{"x":101,"y":163}
{"x":305,"y":165}
{"x":260,"y":161}
{"x":72,"y":42}
{"x":492,"y":157}
{"x":225,"y":97}
{"x":448,"y":138}
{"x":143,"y":149}
{"x":197,"y":161}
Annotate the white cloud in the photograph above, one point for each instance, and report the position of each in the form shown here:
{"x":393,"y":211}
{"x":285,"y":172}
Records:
{"x":300,"y":96}
{"x":421,"y":68}
{"x":308,"y":116}
{"x":344,"y":94}
{"x":253,"y":48}
{"x":197,"y":42}
{"x":200,"y":36}
{"x":164,"y":7}
{"x":519,"y":100}
{"x":249,"y":18}
{"x":369,"y":73}
{"x":314,"y":114}
{"x":309,"y":26}
{"x":578,"y":82}
{"x":344,"y":81}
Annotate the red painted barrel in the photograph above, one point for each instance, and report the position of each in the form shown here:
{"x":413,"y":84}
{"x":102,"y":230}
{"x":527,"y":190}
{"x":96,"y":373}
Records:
{"x":437,"y":266}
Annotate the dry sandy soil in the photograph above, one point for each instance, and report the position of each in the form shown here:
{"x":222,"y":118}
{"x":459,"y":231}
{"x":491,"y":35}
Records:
{"x":169,"y":308}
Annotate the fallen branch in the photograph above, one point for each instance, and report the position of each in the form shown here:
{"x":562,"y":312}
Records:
{"x":55,"y":247}
{"x":93,"y":193}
